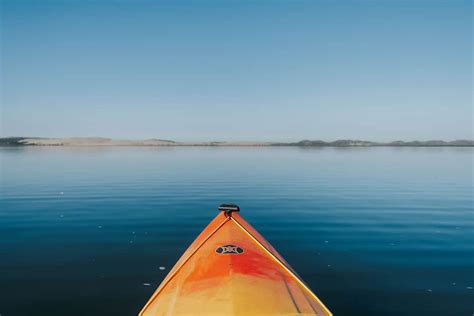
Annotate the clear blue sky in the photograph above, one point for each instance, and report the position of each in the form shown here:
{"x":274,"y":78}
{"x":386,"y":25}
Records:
{"x":237,"y":70}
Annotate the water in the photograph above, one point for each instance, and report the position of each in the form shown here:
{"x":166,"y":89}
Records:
{"x":373,"y":231}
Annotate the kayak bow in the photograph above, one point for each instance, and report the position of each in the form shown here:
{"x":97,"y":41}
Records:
{"x":230,"y":269}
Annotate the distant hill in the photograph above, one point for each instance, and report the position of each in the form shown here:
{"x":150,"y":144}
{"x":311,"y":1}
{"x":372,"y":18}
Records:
{"x":460,"y":142}
{"x":100,"y":141}
{"x":80,"y":141}
{"x":13,"y":141}
{"x":399,"y":143}
{"x":336,"y":143}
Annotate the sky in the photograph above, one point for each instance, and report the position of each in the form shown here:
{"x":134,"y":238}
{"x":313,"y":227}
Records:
{"x":237,"y":70}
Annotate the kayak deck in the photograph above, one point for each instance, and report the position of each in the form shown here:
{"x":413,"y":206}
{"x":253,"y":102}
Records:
{"x":230,"y":269}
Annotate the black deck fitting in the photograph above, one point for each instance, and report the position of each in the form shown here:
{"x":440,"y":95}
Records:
{"x":229,"y":208}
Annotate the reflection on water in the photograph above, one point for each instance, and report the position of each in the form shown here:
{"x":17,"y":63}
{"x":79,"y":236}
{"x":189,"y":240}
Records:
{"x":373,"y":231}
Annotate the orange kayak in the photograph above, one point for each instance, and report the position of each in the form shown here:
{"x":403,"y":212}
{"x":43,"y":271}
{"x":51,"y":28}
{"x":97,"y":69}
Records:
{"x":230,"y":269}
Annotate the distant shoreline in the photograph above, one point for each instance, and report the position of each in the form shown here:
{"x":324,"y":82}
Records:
{"x":99,"y":141}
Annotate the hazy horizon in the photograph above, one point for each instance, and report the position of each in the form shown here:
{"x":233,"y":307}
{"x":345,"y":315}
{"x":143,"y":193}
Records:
{"x":258,"y":71}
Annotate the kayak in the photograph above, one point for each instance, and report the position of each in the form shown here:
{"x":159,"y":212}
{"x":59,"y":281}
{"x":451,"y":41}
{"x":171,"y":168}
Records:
{"x":230,"y":269}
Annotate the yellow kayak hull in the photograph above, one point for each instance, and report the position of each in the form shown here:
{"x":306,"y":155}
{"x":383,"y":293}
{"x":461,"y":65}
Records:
{"x":230,"y":269}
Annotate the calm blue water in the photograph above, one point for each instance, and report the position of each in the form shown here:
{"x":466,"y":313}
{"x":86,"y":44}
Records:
{"x":373,"y":231}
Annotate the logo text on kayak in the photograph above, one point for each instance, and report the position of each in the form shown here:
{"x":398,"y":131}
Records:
{"x":229,"y":249}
